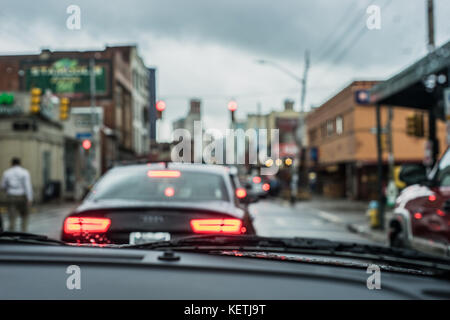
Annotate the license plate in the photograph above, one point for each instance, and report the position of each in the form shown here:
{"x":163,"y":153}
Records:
{"x":145,"y":237}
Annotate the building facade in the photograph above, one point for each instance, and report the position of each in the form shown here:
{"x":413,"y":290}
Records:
{"x":110,"y":84}
{"x":342,"y":151}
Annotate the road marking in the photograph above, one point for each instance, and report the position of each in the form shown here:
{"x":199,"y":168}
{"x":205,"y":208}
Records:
{"x":330,"y":217}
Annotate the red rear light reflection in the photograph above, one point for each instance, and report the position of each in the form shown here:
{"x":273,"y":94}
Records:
{"x":83,"y":224}
{"x":432,"y":197}
{"x":169,"y":192}
{"x":241,"y":193}
{"x":440,"y":212}
{"x":418,"y":215}
{"x":163,"y":174}
{"x":227,"y":226}
{"x":256,"y":179}
{"x":266,"y":187}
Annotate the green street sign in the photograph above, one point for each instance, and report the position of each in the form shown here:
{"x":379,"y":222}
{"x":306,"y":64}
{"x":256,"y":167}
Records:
{"x":6,"y":99}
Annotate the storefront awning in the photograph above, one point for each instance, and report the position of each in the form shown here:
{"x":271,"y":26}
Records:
{"x":408,"y":88}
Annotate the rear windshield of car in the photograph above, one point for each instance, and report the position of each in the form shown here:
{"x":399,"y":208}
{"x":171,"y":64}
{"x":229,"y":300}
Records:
{"x":140,"y":184}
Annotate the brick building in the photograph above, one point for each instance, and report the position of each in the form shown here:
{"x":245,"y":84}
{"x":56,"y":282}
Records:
{"x":113,"y":86}
{"x":342,"y":154}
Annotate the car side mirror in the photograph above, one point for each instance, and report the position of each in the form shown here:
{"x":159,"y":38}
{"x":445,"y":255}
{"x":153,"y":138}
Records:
{"x":413,"y":174}
{"x":446,"y":206}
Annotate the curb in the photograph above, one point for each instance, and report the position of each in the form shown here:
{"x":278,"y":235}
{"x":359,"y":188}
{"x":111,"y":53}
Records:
{"x":366,"y":232}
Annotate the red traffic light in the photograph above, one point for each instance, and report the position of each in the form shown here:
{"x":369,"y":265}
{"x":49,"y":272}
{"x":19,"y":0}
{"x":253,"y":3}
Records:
{"x":86,"y":144}
{"x":232,"y":105}
{"x":160,"y":105}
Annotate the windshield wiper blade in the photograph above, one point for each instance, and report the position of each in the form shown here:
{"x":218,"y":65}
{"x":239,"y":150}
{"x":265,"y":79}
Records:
{"x":28,"y":238}
{"x":302,"y":245}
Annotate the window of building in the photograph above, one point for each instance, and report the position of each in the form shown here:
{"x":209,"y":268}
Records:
{"x":339,"y":125}
{"x":330,"y":128}
{"x":323,"y":130}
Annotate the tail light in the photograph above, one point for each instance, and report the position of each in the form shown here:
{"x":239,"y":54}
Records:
{"x":266,"y":187}
{"x":73,"y":225}
{"x":440,"y":212}
{"x":418,"y":215}
{"x":241,"y":193}
{"x":225,"y":226}
{"x":163,"y":173}
{"x":256,"y":180}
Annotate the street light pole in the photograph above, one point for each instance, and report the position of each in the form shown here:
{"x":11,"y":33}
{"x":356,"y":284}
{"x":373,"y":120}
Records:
{"x":300,"y":129}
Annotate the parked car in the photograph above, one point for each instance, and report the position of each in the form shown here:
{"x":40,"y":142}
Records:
{"x":422,"y":210}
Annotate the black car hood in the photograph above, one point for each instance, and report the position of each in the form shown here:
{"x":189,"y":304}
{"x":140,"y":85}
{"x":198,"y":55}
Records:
{"x":217,"y":206}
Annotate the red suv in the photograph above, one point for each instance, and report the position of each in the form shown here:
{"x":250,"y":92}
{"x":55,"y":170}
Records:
{"x":422,"y":210}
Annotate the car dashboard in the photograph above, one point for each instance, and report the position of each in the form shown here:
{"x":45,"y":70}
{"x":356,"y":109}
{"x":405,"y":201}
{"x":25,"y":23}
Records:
{"x":46,"y":272}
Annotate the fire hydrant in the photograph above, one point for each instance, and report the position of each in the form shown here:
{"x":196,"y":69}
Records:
{"x":372,"y":213}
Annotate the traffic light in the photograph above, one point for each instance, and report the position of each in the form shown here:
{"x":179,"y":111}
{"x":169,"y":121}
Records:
{"x":232,"y":106}
{"x":86,"y":144}
{"x":64,"y":108}
{"x":35,"y":105}
{"x":160,"y":107}
{"x":415,"y":125}
{"x":420,"y":131}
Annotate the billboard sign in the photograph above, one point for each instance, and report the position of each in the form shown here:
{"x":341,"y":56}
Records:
{"x":70,"y":77}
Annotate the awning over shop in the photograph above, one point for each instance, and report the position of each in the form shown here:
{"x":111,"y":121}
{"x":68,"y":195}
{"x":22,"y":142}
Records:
{"x":409,"y":87}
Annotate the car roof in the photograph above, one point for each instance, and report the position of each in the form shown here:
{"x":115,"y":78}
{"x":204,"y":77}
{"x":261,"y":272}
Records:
{"x":198,"y":167}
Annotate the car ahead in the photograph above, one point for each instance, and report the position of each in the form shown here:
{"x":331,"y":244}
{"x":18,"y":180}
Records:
{"x":256,"y":186}
{"x":161,"y":201}
{"x":422,"y":211}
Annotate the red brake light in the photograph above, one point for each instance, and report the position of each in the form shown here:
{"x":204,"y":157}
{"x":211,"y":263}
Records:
{"x":228,"y":226}
{"x":440,"y":212}
{"x":169,"y":192}
{"x":418,"y":215}
{"x":266,"y":187}
{"x":432,"y":197}
{"x":241,"y":193}
{"x":82,"y":224}
{"x":163,"y":173}
{"x":256,"y":179}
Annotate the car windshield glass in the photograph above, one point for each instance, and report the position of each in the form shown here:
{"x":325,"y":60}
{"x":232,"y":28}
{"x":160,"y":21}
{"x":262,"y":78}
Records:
{"x":126,"y":122}
{"x":138,"y":184}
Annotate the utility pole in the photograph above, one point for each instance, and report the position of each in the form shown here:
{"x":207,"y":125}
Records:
{"x":304,"y":81}
{"x":302,"y":176}
{"x":430,"y":19}
{"x":433,"y":142}
{"x":92,"y":153}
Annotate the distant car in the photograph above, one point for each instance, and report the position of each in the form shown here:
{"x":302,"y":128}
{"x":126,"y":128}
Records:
{"x":257,"y":186}
{"x":152,"y":202}
{"x":422,"y":210}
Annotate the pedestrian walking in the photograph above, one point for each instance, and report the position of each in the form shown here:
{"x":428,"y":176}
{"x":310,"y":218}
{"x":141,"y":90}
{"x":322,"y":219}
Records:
{"x":17,"y":184}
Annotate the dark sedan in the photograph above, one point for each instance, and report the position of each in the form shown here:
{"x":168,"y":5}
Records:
{"x":153,"y":202}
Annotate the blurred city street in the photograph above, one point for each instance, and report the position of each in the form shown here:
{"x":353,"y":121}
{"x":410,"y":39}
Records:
{"x":273,"y":217}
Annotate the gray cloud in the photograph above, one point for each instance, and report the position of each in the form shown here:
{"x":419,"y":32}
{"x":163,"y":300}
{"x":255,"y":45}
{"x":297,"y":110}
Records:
{"x":208,"y":47}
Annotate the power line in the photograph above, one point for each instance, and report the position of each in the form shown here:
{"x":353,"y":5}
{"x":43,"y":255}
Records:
{"x":339,"y":39}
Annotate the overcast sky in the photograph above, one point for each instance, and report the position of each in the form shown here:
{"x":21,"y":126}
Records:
{"x":208,"y":48}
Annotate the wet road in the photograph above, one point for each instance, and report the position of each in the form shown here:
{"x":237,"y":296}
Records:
{"x":277,"y":218}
